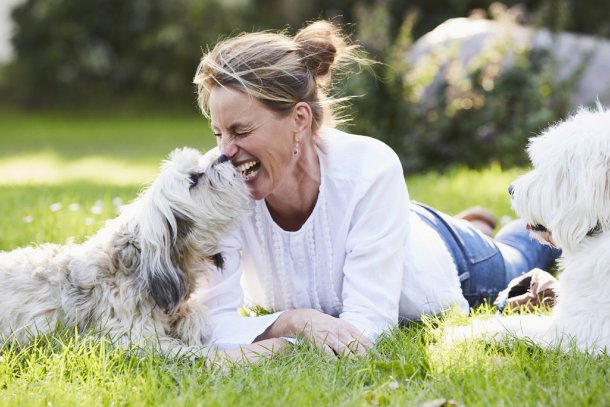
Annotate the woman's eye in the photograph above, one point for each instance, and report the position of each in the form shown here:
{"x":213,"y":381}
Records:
{"x":217,"y":135}
{"x":242,"y":133}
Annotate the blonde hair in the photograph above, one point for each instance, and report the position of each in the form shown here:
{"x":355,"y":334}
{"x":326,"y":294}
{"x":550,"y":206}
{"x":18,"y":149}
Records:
{"x":280,"y":71}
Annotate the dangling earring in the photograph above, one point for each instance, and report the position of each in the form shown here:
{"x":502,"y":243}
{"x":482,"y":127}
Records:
{"x":296,"y":147}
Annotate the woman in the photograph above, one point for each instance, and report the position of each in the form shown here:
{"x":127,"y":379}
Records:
{"x":331,"y":238}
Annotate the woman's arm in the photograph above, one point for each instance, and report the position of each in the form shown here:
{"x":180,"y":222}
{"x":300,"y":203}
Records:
{"x":333,"y":335}
{"x":375,"y":249}
{"x":223,"y":296}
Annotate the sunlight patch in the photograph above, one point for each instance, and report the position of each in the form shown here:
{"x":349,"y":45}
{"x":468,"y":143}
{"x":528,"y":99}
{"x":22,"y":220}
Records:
{"x":50,"y":168}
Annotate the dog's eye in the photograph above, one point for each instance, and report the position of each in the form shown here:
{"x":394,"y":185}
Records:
{"x":194,"y":179}
{"x":538,"y":228}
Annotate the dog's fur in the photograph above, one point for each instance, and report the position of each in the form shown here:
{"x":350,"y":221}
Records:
{"x":136,"y":277}
{"x":568,"y":192}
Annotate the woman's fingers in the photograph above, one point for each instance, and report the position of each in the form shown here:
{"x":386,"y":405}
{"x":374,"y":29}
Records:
{"x":354,"y":344}
{"x":329,"y":334}
{"x":356,"y":347}
{"x":342,"y":343}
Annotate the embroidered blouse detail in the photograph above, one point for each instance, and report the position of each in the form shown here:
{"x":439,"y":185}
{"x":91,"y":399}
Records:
{"x":299,"y":263}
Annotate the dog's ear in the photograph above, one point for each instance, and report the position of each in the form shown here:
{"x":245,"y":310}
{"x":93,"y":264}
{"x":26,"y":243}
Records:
{"x":583,"y":195}
{"x":568,"y":190}
{"x":159,"y":237}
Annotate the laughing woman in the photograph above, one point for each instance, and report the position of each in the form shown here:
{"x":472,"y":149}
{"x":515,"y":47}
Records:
{"x":331,"y":244}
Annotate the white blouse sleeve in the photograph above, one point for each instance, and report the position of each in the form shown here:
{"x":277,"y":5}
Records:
{"x":223,"y":296}
{"x":375,"y":250}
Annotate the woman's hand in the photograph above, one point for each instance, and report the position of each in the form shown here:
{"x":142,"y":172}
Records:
{"x":332,"y":335}
{"x":529,"y":291}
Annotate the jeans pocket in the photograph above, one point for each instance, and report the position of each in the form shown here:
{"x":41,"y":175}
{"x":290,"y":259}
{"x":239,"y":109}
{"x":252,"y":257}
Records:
{"x":485,"y":275}
{"x":475,"y":246}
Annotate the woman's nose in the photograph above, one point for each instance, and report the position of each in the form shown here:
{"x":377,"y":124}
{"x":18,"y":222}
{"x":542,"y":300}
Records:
{"x":227,"y":147}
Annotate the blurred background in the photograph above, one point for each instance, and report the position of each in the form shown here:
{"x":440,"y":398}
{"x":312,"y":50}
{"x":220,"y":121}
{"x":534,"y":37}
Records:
{"x":458,"y":83}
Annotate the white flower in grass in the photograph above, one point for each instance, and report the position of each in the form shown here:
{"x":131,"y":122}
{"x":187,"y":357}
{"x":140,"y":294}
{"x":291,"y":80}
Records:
{"x":28,"y":219}
{"x":97,"y":208}
{"x":117,"y":201}
{"x":55,"y":207}
{"x":73,"y":207}
{"x":89,"y":221}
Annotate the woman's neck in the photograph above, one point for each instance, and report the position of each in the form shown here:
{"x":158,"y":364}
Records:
{"x":291,"y":206}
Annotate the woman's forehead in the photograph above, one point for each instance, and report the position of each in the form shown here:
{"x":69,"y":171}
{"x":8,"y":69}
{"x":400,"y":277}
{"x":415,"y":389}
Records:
{"x":230,"y":107}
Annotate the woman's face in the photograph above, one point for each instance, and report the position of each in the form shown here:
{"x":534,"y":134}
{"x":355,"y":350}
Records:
{"x":258,"y":141}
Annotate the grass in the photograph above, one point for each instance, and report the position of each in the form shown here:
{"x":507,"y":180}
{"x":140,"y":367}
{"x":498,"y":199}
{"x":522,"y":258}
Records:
{"x":61,"y":176}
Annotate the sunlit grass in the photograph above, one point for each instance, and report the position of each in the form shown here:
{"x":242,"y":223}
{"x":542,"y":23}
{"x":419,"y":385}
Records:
{"x":454,"y":191}
{"x":407,"y":367}
{"x":134,"y":139}
{"x":50,"y":168}
{"x":63,"y":186}
{"x":57,"y":213}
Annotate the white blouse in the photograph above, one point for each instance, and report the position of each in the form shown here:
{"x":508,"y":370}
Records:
{"x":350,"y":259}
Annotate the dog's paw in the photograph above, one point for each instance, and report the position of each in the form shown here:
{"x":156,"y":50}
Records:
{"x":476,"y":329}
{"x":532,"y":328}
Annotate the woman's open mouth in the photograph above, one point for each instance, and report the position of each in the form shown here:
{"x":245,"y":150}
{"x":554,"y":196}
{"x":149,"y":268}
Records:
{"x":248,"y":170}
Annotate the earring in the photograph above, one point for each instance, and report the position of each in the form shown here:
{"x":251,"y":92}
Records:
{"x":296,"y":147}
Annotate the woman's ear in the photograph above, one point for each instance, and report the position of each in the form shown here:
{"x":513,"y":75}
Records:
{"x":302,"y":118}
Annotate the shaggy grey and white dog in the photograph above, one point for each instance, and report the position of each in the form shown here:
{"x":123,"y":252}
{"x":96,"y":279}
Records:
{"x":565,"y":199}
{"x":136,"y":277}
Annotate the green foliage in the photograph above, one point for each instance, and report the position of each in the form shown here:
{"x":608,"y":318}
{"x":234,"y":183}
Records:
{"x":438,"y":111}
{"x":479,"y":117}
{"x":98,"y":51}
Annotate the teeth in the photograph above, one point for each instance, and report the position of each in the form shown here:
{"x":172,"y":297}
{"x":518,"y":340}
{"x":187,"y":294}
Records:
{"x":243,"y":169}
{"x":246,"y":166}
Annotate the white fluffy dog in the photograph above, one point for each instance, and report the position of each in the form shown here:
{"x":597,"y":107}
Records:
{"x":135,"y":278}
{"x":565,"y":200}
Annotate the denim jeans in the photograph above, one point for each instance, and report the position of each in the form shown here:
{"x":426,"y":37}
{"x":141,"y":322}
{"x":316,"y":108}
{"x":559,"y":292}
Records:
{"x":486,"y":265}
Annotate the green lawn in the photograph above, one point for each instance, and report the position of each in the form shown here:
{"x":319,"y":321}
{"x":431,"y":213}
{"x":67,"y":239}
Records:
{"x":61,"y":176}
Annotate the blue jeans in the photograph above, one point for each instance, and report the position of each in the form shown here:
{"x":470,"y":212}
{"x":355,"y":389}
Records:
{"x":486,"y":265}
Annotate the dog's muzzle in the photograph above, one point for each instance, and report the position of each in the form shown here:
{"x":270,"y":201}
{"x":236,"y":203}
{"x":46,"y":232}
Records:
{"x":536,"y":227}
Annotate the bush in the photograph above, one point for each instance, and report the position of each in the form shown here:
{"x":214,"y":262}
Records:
{"x":100,"y":52}
{"x":439,"y":112}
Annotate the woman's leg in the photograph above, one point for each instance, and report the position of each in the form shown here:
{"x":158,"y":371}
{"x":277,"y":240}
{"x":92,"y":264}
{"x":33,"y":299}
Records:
{"x":486,"y":265}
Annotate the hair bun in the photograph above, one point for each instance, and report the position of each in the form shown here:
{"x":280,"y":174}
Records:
{"x":319,"y":44}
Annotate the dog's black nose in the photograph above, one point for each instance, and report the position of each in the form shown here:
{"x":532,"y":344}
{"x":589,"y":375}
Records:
{"x":511,"y":189}
{"x":222,"y":159}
